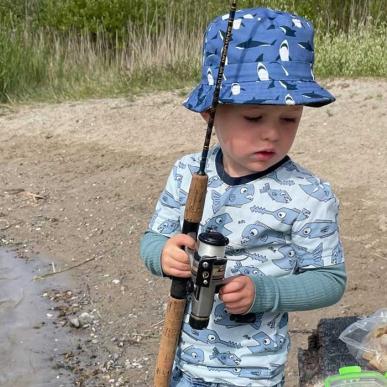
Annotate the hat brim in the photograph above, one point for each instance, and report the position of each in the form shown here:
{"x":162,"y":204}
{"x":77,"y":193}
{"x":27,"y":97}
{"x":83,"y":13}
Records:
{"x":270,"y":92}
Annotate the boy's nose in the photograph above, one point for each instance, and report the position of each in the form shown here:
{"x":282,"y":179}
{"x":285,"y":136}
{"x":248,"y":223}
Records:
{"x":270,"y":133}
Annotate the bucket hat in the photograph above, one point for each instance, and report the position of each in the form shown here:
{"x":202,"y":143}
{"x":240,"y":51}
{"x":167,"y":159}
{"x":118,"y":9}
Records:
{"x":269,"y":61}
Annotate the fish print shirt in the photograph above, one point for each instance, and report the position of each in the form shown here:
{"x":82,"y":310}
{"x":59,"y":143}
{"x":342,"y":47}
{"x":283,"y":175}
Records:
{"x":278,"y":222}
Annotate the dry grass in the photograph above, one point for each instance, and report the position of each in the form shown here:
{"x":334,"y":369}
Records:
{"x":45,"y":64}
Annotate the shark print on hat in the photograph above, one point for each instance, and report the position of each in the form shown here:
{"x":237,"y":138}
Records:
{"x":289,"y":100}
{"x":263,"y":74}
{"x":236,"y":88}
{"x":254,"y":43}
{"x":306,"y":46}
{"x":287,"y":85}
{"x":284,"y":51}
{"x":288,"y":31}
{"x":297,"y":23}
{"x":263,"y":44}
{"x":210,"y":77}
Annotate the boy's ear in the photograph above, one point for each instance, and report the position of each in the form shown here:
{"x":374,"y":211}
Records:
{"x":205,"y":115}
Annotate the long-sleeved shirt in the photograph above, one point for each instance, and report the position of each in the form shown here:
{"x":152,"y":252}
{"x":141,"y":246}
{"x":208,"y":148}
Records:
{"x":308,"y":290}
{"x":283,"y":233}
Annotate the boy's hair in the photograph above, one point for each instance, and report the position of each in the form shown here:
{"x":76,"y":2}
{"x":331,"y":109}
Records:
{"x":269,"y":61}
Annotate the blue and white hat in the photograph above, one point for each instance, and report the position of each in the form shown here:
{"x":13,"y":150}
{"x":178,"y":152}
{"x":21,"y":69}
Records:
{"x":269,"y":61}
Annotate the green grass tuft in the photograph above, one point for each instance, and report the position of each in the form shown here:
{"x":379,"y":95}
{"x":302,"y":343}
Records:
{"x":358,"y":53}
{"x":60,"y":60}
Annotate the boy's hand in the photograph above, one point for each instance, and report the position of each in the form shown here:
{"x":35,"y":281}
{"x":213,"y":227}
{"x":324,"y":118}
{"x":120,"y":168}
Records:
{"x":238,"y":294}
{"x":174,"y":260}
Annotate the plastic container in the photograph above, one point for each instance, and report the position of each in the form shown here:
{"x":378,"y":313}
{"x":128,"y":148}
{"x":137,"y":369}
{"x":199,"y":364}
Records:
{"x":366,"y":340}
{"x":353,"y":376}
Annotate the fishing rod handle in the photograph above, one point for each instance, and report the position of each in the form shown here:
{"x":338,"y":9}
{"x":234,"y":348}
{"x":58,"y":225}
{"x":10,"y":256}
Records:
{"x":169,"y":341}
{"x":195,"y":201}
{"x":178,"y":294}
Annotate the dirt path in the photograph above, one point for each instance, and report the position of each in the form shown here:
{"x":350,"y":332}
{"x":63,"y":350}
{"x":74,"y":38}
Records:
{"x":79,"y":182}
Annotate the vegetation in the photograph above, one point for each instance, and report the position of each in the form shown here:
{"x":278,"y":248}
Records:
{"x":70,"y":49}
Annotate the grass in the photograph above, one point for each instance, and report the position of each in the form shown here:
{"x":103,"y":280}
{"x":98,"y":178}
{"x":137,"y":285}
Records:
{"x":43,"y":64}
{"x":48,"y":66}
{"x":360,"y":52}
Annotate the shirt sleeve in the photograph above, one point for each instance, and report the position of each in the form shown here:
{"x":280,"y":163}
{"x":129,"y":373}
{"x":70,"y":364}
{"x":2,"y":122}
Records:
{"x":319,"y":278}
{"x":151,"y":246}
{"x":308,"y":290}
{"x":166,"y":219}
{"x":164,"y":223}
{"x":315,"y":234}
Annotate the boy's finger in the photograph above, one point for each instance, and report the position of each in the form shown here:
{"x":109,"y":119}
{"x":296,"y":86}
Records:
{"x":181,"y":265}
{"x":232,"y":286}
{"x":181,"y":257}
{"x":184,"y":240}
{"x":236,"y":309}
{"x":230,"y":298}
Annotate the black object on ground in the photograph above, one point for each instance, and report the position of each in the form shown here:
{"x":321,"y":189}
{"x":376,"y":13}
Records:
{"x":326,"y":353}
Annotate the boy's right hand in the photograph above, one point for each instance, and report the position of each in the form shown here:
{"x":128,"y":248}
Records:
{"x":174,"y":260}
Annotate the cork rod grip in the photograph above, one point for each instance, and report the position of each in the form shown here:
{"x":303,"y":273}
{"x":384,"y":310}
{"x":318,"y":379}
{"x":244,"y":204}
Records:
{"x":196,"y":197}
{"x":169,"y":340}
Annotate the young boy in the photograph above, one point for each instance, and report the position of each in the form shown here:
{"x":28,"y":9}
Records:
{"x":285,"y":252}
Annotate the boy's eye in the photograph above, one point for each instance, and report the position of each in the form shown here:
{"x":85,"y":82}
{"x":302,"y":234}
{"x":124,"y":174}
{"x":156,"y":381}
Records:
{"x":253,"y":119}
{"x":289,"y":119}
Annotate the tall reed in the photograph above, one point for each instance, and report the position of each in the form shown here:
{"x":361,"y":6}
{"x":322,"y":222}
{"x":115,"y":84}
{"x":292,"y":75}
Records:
{"x":43,"y":63}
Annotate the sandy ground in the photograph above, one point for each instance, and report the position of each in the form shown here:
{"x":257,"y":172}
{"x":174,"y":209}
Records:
{"x":79,"y":181}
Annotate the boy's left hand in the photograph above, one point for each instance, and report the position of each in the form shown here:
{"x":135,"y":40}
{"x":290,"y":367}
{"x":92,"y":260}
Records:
{"x":238,"y":294}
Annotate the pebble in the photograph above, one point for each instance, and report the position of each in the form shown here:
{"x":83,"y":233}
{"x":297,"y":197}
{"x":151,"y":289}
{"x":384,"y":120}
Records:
{"x":85,"y":318}
{"x":75,"y":322}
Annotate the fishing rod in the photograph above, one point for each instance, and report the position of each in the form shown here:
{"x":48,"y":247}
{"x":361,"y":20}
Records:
{"x":192,"y":216}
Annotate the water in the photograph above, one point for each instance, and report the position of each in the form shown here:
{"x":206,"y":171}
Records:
{"x":29,"y":341}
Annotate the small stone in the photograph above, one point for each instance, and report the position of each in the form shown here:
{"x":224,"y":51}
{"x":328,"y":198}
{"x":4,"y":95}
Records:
{"x":75,"y":322}
{"x":85,"y":318}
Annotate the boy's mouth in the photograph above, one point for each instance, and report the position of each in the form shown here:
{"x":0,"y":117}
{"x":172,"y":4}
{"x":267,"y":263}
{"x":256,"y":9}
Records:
{"x":264,"y":155}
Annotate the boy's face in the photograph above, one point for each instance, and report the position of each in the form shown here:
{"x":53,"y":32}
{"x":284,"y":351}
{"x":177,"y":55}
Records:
{"x":254,"y":137}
